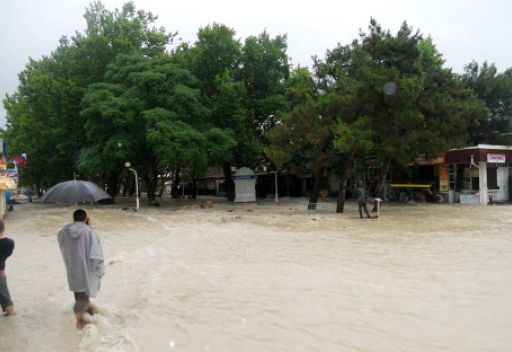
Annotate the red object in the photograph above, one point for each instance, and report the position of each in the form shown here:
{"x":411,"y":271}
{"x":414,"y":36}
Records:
{"x":20,"y":160}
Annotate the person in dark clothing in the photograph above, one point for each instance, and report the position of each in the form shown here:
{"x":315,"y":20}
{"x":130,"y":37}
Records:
{"x":6,"y":249}
{"x":361,"y":200}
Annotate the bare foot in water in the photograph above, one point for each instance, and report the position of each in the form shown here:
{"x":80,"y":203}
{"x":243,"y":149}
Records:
{"x":9,"y":310}
{"x":81,"y":322}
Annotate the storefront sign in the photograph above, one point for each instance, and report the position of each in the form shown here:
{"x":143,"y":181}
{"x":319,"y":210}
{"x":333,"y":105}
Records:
{"x":444,"y":185}
{"x":496,"y":158}
{"x":421,"y":160}
{"x":244,"y":177}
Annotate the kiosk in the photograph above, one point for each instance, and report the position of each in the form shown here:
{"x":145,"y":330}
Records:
{"x":480,"y":174}
{"x":245,"y":185}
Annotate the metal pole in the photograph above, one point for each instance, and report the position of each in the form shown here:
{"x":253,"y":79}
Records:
{"x":16,"y":167}
{"x":276,"y":198}
{"x":136,"y":188}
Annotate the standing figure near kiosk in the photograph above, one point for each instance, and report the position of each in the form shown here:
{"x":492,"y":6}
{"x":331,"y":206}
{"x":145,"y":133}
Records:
{"x":360,"y":192}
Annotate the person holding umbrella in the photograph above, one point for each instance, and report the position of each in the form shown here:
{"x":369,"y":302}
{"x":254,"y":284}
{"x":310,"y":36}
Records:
{"x":83,"y":256}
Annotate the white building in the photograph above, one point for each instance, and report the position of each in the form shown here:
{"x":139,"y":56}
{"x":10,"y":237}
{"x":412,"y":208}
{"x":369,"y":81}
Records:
{"x":479,"y":174}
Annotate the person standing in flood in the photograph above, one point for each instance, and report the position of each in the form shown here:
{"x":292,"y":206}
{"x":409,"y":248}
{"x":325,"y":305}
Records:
{"x":361,"y":200}
{"x":83,"y":255}
{"x":6,"y":249}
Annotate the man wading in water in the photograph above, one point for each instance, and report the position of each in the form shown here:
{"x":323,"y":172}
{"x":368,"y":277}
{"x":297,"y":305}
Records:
{"x":361,"y":200}
{"x":82,"y":253}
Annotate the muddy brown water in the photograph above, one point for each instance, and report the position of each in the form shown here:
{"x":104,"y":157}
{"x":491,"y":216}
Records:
{"x":270,"y":277}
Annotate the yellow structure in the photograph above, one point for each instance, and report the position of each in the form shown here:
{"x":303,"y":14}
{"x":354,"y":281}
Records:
{"x":6,"y":184}
{"x":410,"y":185}
{"x":426,"y":187}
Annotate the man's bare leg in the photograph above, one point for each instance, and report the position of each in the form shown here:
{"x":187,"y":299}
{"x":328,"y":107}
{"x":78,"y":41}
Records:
{"x":81,"y":306}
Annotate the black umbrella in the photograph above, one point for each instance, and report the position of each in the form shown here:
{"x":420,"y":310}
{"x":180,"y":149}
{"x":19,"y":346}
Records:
{"x":74,"y":192}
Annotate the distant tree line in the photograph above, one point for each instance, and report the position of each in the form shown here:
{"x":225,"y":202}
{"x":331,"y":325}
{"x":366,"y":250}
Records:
{"x":124,"y":91}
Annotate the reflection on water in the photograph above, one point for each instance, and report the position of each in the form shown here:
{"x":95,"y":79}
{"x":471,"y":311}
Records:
{"x":270,"y":278}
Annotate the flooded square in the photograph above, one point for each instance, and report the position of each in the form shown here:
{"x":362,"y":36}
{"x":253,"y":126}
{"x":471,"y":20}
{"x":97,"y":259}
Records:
{"x":269,"y":277}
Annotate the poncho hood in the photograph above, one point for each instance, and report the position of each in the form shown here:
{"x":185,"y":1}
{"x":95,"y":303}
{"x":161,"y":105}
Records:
{"x":76,"y":229}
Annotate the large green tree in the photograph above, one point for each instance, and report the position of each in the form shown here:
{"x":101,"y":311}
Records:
{"x":241,"y":85}
{"x":301,"y":139}
{"x":382,"y":99}
{"x":43,"y":121}
{"x":214,"y":59}
{"x":144,"y":111}
{"x":413,"y":103}
{"x":43,"y":116}
{"x":372,"y":85}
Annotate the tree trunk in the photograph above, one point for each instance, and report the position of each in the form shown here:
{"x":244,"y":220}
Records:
{"x":175,"y":184}
{"x":313,"y":200}
{"x":230,"y":185}
{"x":151,"y":182}
{"x":151,"y":188}
{"x":112,"y":185}
{"x":340,"y":203}
{"x":128,"y":186}
{"x":380,"y":179}
{"x":194,"y":185}
{"x":162,"y":187}
{"x":163,"y":180}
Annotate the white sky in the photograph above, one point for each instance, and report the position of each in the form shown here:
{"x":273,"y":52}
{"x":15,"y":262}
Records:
{"x":463,"y":30}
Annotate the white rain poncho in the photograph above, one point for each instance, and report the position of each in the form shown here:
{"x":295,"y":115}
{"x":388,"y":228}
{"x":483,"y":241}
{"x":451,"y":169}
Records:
{"x":82,"y":253}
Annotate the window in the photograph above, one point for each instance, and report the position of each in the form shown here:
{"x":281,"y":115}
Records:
{"x":492,"y":179}
{"x":475,"y":183}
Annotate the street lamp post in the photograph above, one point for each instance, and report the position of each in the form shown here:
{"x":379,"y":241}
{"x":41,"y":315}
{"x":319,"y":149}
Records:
{"x":128,"y":164}
{"x":276,"y":197}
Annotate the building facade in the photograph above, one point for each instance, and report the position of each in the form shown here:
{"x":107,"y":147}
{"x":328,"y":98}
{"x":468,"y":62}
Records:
{"x":479,"y":174}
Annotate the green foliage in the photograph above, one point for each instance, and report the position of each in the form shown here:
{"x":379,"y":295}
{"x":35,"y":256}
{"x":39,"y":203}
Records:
{"x":43,"y":116}
{"x":383,"y":97}
{"x":148,"y":108}
{"x":215,"y":53}
{"x":240,"y":85}
{"x":428,"y":109}
{"x":354,"y":136}
{"x":43,"y":122}
{"x":124,"y":31}
{"x":302,"y":137}
{"x":114,"y":93}
{"x":495,"y":89}
{"x":264,"y":71}
{"x":176,"y":143}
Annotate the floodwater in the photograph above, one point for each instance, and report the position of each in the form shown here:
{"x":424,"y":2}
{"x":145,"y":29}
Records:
{"x":267,"y":277}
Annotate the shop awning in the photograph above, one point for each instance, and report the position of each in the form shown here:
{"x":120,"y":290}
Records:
{"x":7,"y":183}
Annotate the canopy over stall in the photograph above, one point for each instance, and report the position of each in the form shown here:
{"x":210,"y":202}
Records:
{"x":7,"y":184}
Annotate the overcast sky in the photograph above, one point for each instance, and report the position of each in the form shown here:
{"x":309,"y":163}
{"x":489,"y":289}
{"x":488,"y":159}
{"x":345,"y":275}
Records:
{"x":463,"y":30}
